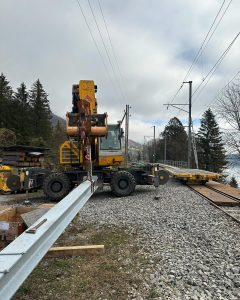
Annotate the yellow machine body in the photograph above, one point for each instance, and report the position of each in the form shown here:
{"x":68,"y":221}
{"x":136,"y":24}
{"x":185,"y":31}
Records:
{"x":111,"y":160}
{"x":73,"y":131}
{"x":5,"y":171}
{"x":87,"y":92}
{"x":84,"y":121}
{"x":71,"y":153}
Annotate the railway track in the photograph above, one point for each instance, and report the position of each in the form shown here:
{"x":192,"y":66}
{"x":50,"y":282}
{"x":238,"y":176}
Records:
{"x":224,"y":197}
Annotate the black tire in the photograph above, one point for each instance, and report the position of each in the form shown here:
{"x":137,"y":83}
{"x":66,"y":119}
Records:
{"x":13,"y":183}
{"x":163,"y":177}
{"x":122,"y":184}
{"x":56,"y":186}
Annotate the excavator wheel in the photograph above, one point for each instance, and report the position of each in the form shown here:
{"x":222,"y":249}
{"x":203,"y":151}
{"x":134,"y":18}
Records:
{"x":13,"y":183}
{"x":163,"y":177}
{"x":122,"y":184}
{"x":56,"y":186}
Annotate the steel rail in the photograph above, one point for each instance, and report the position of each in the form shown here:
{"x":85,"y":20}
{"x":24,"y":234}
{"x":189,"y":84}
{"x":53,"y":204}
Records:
{"x":20,"y":257}
{"x":223,"y":193}
{"x":215,"y":205}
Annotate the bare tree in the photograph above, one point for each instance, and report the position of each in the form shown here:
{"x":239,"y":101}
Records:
{"x":228,"y":109}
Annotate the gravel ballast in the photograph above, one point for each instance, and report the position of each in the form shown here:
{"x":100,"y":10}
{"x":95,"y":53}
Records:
{"x":191,"y":249}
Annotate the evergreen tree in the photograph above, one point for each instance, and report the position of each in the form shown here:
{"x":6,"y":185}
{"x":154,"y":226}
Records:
{"x":23,"y":115}
{"x":40,"y":112}
{"x":176,"y":140}
{"x":58,"y":137}
{"x":233,"y":182}
{"x":5,"y":103}
{"x":7,"y":137}
{"x":211,"y":153}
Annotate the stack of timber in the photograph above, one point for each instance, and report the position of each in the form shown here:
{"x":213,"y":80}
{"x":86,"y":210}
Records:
{"x":23,"y":156}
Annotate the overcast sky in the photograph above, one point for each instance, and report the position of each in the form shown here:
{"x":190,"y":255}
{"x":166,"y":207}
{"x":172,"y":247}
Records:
{"x":155,"y":42}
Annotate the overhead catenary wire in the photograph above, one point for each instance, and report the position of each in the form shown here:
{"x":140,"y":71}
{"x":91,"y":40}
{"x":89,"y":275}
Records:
{"x":111,"y":44}
{"x":219,"y":21}
{"x":203,"y":45}
{"x":212,"y":101}
{"x":212,"y":71}
{"x":106,"y":50}
{"x":95,"y":42}
{"x":214,"y":68}
{"x":175,"y":95}
{"x":207,"y":40}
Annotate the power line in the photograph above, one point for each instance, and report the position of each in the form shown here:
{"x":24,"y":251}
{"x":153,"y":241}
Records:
{"x":105,"y":48}
{"x":111,"y":44}
{"x":212,"y":71}
{"x":214,"y":68}
{"x":217,"y":25}
{"x":94,"y":41}
{"x":175,"y":95}
{"x":215,"y":97}
{"x":202,"y":47}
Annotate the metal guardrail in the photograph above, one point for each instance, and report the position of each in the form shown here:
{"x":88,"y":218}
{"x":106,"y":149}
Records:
{"x":19,"y":258}
{"x":174,"y":163}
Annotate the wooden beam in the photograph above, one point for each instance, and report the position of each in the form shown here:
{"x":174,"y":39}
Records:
{"x":31,"y":217}
{"x":46,"y":205}
{"x":75,"y":250}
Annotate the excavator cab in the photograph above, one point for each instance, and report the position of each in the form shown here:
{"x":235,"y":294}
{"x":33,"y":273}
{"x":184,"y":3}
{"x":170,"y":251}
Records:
{"x":110,"y":146}
{"x":112,"y":141}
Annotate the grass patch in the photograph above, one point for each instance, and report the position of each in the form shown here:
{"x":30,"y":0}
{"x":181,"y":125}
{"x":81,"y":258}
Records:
{"x":107,"y":276}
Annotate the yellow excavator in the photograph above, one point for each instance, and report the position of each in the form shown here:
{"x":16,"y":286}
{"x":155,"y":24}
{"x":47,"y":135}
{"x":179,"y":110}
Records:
{"x":94,"y":147}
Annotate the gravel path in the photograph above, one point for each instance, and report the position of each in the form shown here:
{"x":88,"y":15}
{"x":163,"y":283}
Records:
{"x":19,"y":199}
{"x":191,"y":248}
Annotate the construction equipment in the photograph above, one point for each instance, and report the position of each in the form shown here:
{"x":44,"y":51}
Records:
{"x":94,"y":148}
{"x":191,"y":175}
{"x":22,"y":168}
{"x":5,"y":171}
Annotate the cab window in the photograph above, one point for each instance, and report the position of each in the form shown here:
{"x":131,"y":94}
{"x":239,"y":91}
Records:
{"x":111,"y":142}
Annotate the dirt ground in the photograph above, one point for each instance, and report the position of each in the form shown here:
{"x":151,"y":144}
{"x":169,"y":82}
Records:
{"x":116,"y":274}
{"x":111,"y":275}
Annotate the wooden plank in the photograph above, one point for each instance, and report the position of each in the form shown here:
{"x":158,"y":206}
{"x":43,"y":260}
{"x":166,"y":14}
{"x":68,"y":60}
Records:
{"x":215,"y":197}
{"x":226,"y":189}
{"x":31,"y":217}
{"x":190,"y":174}
{"x":13,"y":158}
{"x":10,"y":163}
{"x":46,"y":205}
{"x":4,"y":207}
{"x":7,"y":214}
{"x":12,"y":214}
{"x":75,"y":250}
{"x":13,"y":153}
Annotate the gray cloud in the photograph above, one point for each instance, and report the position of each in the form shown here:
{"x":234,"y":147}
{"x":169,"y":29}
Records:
{"x":155,"y":42}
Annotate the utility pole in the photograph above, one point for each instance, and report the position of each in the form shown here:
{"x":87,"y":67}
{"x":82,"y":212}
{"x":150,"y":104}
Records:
{"x":189,"y":124}
{"x":126,"y":133}
{"x":189,"y":111}
{"x":146,"y":147}
{"x":165,"y":147}
{"x":154,"y":144}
